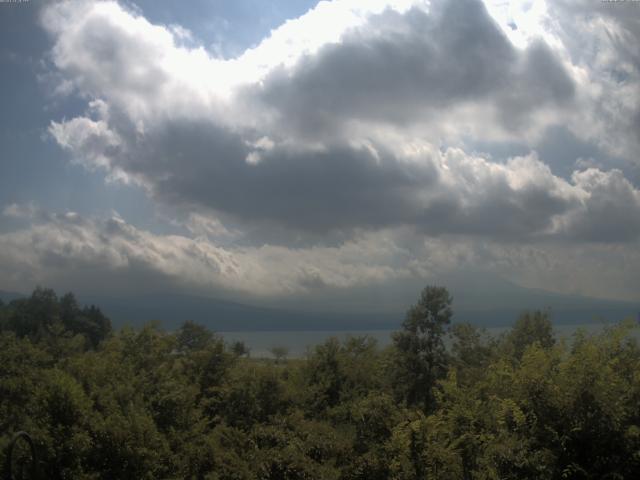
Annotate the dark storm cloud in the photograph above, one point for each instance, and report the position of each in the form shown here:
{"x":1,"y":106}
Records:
{"x":498,"y":210}
{"x":403,"y":67}
{"x":342,"y":187}
{"x":611,"y":213}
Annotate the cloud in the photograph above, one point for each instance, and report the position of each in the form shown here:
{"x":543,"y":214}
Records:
{"x":191,"y":138}
{"x":598,"y":38}
{"x":108,"y":252}
{"x":350,"y":186}
{"x":21,"y":211}
{"x":91,"y":141}
{"x":106,"y":255}
{"x":610,"y":212}
{"x":403,"y":67}
{"x":349,"y":130}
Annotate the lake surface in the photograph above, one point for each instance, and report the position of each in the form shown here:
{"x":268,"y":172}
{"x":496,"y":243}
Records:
{"x":298,"y":342}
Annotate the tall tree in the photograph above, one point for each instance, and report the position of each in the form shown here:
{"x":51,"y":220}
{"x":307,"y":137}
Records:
{"x":420,"y":355}
{"x":193,"y":336}
{"x":531,"y":327}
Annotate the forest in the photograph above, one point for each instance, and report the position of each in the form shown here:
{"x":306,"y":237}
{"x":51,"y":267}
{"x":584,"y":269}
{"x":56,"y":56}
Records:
{"x":445,"y":400}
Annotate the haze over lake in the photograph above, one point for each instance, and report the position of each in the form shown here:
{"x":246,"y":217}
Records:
{"x":298,"y":343}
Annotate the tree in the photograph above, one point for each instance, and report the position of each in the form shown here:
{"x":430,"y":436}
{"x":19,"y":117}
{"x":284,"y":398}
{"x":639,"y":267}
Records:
{"x":34,"y":316}
{"x":251,"y":394}
{"x":89,"y":321}
{"x":94,"y":324}
{"x":471,"y":351}
{"x":44,"y":317}
{"x":193,"y":336}
{"x":240,"y":349}
{"x":420,"y":355}
{"x":531,"y":327}
{"x":337,"y":373}
{"x":279,"y":353}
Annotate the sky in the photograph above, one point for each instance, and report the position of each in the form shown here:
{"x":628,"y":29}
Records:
{"x":342,"y":153}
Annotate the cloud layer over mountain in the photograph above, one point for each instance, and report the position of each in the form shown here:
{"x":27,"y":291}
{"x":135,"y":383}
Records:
{"x":362,"y":142}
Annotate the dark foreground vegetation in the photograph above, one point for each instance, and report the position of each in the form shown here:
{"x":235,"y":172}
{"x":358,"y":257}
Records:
{"x":146,"y":404}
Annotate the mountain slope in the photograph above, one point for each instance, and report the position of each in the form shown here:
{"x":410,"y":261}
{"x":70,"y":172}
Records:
{"x":497,"y":305}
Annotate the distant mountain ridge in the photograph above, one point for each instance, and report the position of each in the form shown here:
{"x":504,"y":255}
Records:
{"x":6,"y":296}
{"x":172,"y":309}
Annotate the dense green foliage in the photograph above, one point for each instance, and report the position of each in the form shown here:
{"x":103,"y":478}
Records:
{"x":138,"y":404}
